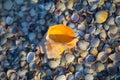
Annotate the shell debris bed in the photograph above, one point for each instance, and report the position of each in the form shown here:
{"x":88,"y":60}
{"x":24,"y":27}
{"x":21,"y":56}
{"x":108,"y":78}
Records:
{"x":59,"y":39}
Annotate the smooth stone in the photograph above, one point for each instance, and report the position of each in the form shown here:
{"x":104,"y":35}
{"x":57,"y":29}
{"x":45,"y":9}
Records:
{"x":83,"y":45}
{"x":95,"y":42}
{"x":19,"y":1}
{"x":90,"y":59}
{"x":9,"y":20}
{"x":8,"y":4}
{"x":54,"y":64}
{"x":101,"y":16}
{"x":61,"y":77}
{"x":2,"y":75}
{"x":115,"y":57}
{"x":31,"y":36}
{"x":89,"y":77}
{"x":102,"y":56}
{"x":117,"y":20}
{"x":30,"y":57}
{"x":69,"y":58}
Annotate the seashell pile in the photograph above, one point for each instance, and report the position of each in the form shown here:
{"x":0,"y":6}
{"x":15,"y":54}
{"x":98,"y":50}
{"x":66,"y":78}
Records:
{"x":87,"y":49}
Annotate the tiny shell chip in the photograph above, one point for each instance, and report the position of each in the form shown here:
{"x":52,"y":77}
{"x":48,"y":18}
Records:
{"x":101,"y":16}
{"x":30,"y":57}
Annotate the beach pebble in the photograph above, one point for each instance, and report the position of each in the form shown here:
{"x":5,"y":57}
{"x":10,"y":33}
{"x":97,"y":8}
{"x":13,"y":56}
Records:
{"x":81,"y":27}
{"x":54,"y":64}
{"x":79,"y":75}
{"x":101,"y":16}
{"x":95,"y":42}
{"x":90,"y":59}
{"x":79,"y":68}
{"x":102,"y":56}
{"x":88,"y":70}
{"x":30,"y":57}
{"x":83,"y":45}
{"x":94,"y":51}
{"x":69,"y":58}
{"x":9,"y":20}
{"x":8,"y":4}
{"x":89,"y":77}
{"x":31,"y":36}
{"x":61,"y":77}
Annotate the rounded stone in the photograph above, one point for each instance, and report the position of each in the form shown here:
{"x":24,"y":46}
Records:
{"x":90,"y":59}
{"x":117,"y":20}
{"x":83,"y":45}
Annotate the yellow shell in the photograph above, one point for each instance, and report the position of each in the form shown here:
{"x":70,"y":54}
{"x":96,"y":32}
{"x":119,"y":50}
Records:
{"x":101,"y":16}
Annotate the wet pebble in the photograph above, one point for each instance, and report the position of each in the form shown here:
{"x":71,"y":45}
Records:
{"x":69,"y":58}
{"x":89,"y":77}
{"x":61,"y":77}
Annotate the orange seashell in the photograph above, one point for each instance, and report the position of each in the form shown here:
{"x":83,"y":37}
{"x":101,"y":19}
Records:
{"x":59,"y":38}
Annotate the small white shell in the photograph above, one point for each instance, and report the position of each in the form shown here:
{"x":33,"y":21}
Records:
{"x":89,"y":77}
{"x":61,"y":77}
{"x":30,"y":57}
{"x":69,"y":58}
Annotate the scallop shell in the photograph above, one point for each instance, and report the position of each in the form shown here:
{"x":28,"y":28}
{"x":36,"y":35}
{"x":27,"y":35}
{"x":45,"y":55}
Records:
{"x":101,"y":16}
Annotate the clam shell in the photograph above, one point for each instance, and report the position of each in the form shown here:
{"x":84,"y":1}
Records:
{"x":90,"y":59}
{"x":83,"y":45}
{"x":61,"y":77}
{"x":89,"y":77}
{"x":8,"y":4}
{"x":102,"y":56}
{"x":30,"y":57}
{"x":54,"y":64}
{"x":95,"y":42}
{"x":69,"y":58}
{"x":101,"y":16}
{"x":115,"y":57}
{"x":117,"y":20}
